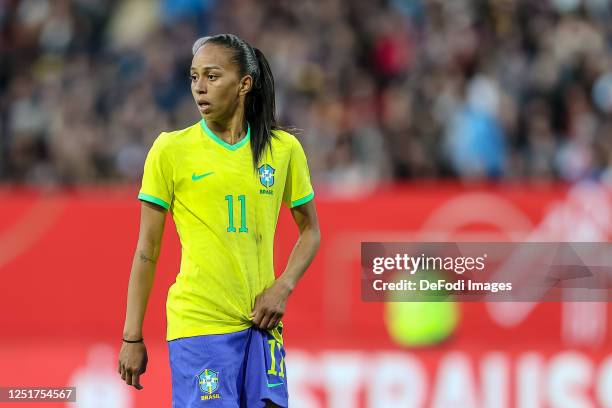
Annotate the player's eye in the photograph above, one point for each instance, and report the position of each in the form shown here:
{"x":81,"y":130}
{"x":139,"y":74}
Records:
{"x":212,"y":77}
{"x":193,"y":77}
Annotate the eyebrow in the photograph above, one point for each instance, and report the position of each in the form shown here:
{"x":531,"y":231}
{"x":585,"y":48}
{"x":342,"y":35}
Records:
{"x":206,"y":67}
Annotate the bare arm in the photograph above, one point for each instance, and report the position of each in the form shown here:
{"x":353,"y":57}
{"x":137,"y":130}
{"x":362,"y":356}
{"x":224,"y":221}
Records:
{"x":152,"y":221}
{"x":133,"y":356}
{"x":306,"y":247}
{"x":270,"y":304}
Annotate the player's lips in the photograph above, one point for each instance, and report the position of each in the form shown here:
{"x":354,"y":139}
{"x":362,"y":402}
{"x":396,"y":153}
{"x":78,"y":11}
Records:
{"x":203,"y":105}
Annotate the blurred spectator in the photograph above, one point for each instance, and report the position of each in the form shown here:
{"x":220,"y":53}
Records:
{"x":381,"y":90}
{"x":475,"y":138}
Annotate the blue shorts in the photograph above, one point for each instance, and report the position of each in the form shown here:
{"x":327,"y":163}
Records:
{"x":242,"y":369}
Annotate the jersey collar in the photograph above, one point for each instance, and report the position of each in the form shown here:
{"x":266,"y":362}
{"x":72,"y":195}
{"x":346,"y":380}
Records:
{"x":223,"y":143}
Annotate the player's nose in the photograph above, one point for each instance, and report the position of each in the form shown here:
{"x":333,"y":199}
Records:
{"x":200,"y":86}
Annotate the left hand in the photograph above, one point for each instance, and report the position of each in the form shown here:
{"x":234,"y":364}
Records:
{"x":270,"y":306}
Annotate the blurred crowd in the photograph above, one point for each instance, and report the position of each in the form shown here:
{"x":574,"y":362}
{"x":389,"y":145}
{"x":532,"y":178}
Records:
{"x":382,"y":90}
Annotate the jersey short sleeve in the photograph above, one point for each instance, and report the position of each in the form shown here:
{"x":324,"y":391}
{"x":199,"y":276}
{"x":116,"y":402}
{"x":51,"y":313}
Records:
{"x":298,"y":189}
{"x":157,"y":179}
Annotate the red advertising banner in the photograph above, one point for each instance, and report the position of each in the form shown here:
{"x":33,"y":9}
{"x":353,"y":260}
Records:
{"x":65,"y":258}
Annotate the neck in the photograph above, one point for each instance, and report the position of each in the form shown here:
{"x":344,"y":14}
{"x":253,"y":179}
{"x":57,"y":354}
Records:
{"x":230,"y":130}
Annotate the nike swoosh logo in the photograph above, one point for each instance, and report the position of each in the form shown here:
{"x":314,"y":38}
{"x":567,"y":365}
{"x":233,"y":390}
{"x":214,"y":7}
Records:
{"x":196,"y":177}
{"x":275,"y":384}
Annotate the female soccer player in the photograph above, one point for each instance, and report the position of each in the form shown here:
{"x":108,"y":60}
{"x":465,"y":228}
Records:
{"x":223,"y":180}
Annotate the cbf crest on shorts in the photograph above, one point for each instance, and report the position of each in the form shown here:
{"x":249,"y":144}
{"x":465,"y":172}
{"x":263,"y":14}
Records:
{"x":209,"y":383}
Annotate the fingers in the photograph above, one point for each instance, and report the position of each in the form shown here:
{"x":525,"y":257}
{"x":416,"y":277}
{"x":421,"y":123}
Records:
{"x":267,"y":320}
{"x":267,"y":312}
{"x":271,"y":321}
{"x":274,"y":321}
{"x":136,"y":381}
{"x":256,"y":308}
{"x":132,"y":377}
{"x":132,"y":364}
{"x":257,"y":315}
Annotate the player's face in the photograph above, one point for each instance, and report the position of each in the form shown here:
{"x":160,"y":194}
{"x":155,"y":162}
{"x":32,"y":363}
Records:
{"x":216,"y":84}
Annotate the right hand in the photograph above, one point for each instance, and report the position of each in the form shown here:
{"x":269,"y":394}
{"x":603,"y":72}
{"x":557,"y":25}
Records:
{"x":133,"y":363}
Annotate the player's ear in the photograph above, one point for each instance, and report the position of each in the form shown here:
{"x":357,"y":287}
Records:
{"x":246,"y":83}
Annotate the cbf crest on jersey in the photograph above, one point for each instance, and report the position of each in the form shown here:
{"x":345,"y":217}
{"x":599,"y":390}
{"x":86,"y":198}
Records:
{"x":266,"y":175}
{"x":209,"y":383}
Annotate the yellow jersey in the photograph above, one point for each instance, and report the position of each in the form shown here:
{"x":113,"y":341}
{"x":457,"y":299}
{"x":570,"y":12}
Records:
{"x":225,"y":214}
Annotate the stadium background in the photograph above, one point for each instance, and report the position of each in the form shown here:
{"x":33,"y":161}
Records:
{"x":422,"y":120}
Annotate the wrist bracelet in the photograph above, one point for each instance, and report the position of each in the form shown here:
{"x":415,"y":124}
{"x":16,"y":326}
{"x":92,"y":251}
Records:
{"x":134,"y":341}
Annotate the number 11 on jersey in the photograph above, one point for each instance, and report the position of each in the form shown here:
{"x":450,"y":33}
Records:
{"x":230,"y":210}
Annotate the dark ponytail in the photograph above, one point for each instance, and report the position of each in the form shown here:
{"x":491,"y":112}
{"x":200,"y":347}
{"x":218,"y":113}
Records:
{"x":260,"y":108}
{"x":259,"y":102}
